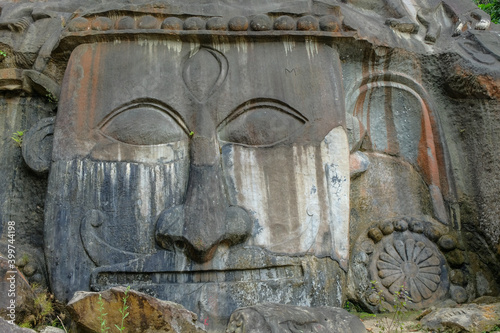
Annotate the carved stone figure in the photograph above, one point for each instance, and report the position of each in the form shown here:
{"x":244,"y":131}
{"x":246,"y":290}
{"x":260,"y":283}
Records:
{"x":267,"y":318}
{"x":222,"y":154}
{"x":198,"y":172}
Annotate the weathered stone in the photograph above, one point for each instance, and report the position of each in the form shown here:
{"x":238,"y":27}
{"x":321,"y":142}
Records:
{"x":18,"y":300}
{"x":387,"y":228}
{"x":400,"y":225}
{"x":486,"y":300}
{"x":146,"y":313}
{"x":307,"y":23}
{"x":223,"y":151}
{"x":194,"y":23}
{"x":261,"y":23}
{"x":216,"y":23}
{"x":201,"y":225}
{"x":50,"y":329}
{"x":455,"y":258}
{"x":37,"y":145}
{"x":447,"y":242}
{"x":375,"y":234}
{"x":126,"y":22}
{"x":467,"y":318}
{"x":172,"y":23}
{"x":79,"y":24}
{"x":416,"y":226}
{"x":287,"y":318}
{"x":102,"y":24}
{"x":399,"y":262}
{"x":148,"y":22}
{"x":458,"y":294}
{"x":358,"y":163}
{"x":238,"y":23}
{"x":284,"y":23}
{"x":432,"y":232}
{"x":6,"y":327}
{"x":458,"y":277}
{"x":330,"y":23}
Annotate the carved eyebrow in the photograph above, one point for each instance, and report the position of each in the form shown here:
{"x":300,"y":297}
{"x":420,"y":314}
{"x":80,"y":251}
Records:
{"x":145,"y":102}
{"x":258,"y":103}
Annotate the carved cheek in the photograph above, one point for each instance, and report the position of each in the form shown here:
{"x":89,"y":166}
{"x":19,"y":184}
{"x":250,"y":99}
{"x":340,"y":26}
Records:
{"x":296,"y":195}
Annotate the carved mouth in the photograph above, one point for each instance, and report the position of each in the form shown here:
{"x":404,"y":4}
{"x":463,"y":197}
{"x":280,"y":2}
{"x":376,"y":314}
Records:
{"x":109,"y":279}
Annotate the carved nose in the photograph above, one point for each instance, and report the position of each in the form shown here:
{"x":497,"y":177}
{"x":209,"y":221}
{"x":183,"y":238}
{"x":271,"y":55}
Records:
{"x":206,"y":219}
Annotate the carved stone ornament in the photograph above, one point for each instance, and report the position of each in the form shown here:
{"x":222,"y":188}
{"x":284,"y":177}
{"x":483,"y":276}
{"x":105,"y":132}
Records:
{"x":401,"y":255}
{"x":226,"y":153}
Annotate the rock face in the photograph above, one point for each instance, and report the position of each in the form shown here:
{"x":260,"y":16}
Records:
{"x":146,"y":314}
{"x":222,"y":154}
{"x":17,"y":300}
{"x":468,"y":318}
{"x":267,"y":318}
{"x":6,"y":327}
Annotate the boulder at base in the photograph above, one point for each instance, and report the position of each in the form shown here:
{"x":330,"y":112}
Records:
{"x":467,"y":318}
{"x":268,"y":318}
{"x":146,"y":313}
{"x":6,"y":327}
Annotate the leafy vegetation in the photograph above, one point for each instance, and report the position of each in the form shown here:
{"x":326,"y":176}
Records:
{"x":393,"y":322}
{"x":492,"y":7}
{"x":48,"y":312}
{"x":18,"y":137}
{"x":124,"y":311}
{"x":102,"y":315}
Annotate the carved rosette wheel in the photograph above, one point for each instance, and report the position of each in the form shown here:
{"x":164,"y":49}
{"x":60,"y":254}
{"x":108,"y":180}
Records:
{"x":401,"y":255}
{"x":411,"y":265}
{"x":409,"y":261}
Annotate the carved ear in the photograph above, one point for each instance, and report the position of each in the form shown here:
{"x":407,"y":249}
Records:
{"x":37,"y":145}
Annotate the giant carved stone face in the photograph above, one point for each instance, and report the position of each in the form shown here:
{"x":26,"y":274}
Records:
{"x":211,"y":175}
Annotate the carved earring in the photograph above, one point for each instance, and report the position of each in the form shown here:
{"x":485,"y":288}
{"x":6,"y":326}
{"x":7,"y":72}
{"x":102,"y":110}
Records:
{"x":37,"y":145}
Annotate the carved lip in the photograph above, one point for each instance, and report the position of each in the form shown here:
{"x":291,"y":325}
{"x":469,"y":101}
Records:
{"x":106,"y":279}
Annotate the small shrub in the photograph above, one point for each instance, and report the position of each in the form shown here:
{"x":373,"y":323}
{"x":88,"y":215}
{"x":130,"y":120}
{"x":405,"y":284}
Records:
{"x":393,"y":322}
{"x":124,"y":311}
{"x":18,"y":137}
{"x":51,"y":98}
{"x":102,"y":315}
{"x":48,"y":312}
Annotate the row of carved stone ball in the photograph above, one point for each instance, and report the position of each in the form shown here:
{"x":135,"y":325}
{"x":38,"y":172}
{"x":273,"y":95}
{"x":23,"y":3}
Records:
{"x":239,"y":23}
{"x":445,"y":242}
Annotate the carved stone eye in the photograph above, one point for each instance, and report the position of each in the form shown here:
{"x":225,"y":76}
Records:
{"x":261,"y":124}
{"x":144,"y":124}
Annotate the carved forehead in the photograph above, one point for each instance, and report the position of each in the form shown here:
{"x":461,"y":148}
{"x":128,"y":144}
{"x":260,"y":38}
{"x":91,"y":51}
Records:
{"x":105,"y":76}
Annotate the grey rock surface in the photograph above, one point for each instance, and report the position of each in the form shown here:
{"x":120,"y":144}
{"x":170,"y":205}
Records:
{"x":226,"y":153}
{"x":146,"y":313}
{"x":6,"y":327}
{"x":467,"y":318}
{"x":274,"y":318}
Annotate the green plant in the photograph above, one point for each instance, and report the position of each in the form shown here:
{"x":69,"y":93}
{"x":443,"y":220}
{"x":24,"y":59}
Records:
{"x":348,"y":306}
{"x":2,"y":53}
{"x":44,"y":304}
{"x":352,"y":307}
{"x":25,"y":324}
{"x":123,"y":310}
{"x":102,"y":315}
{"x":492,"y":7}
{"x":47,"y":311}
{"x":364,"y":315}
{"x":51,"y":97}
{"x":57,"y":322}
{"x":191,"y":133}
{"x":392,"y":322}
{"x":18,"y":137}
